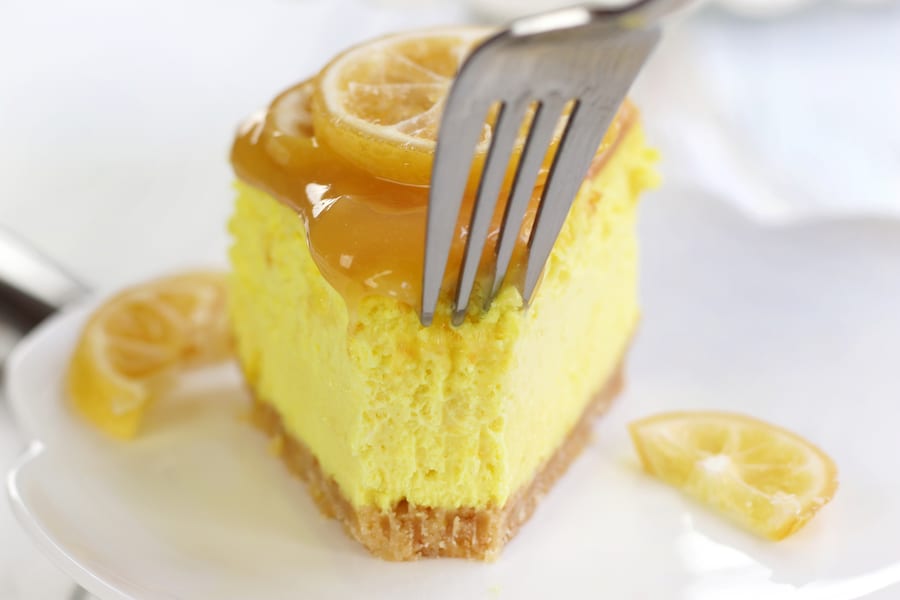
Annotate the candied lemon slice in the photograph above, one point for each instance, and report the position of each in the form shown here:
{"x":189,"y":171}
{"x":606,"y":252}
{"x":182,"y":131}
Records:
{"x":379,"y":104}
{"x":135,"y":342}
{"x":767,"y":479}
{"x":287,"y":132}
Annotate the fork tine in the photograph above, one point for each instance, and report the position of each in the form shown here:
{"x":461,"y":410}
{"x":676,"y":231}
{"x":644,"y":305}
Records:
{"x":506,"y":129}
{"x":458,"y":136}
{"x":583,"y":133}
{"x":538,"y":139}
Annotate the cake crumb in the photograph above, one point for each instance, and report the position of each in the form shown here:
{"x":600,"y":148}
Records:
{"x":276,"y":445}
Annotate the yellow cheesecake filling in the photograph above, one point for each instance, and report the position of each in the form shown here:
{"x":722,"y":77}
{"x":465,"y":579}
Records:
{"x":439,"y":416}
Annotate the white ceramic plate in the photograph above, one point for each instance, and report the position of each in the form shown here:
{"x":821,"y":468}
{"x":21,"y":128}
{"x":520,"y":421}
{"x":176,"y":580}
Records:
{"x":798,"y":326}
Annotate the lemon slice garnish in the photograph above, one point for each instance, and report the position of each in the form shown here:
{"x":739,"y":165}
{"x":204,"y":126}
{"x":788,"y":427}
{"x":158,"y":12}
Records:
{"x":379,"y":104}
{"x":767,"y":479}
{"x":135,"y":342}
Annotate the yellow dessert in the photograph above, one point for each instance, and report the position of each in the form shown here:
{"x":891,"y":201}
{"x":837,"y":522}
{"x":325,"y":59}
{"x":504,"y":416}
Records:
{"x":432,"y":441}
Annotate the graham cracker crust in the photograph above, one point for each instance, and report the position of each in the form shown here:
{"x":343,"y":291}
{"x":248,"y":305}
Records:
{"x":409,"y":532}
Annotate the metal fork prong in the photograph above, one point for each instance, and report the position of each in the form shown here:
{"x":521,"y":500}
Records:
{"x":506,"y":129}
{"x":453,"y":160}
{"x":580,"y":139}
{"x":537,"y":142}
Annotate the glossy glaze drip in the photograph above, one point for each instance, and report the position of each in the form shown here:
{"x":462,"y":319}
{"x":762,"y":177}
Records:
{"x":366,"y":235}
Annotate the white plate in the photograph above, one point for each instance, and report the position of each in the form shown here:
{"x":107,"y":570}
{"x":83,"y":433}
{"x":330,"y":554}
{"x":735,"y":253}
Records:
{"x":798,"y":326}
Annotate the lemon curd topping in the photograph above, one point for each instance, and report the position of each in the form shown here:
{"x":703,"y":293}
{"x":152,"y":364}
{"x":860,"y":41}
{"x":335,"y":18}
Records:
{"x":366,"y":234}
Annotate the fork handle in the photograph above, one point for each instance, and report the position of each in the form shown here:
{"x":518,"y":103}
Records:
{"x":644,"y":13}
{"x":638,"y":15}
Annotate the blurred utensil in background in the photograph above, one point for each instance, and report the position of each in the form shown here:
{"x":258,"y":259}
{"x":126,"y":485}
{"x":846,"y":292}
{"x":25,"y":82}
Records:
{"x":32,"y":283}
{"x":32,"y":287}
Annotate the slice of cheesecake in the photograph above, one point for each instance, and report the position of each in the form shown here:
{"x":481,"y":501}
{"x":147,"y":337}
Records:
{"x":434,"y":441}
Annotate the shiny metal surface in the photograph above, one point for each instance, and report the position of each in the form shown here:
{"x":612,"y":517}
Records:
{"x":582,"y":57}
{"x":10,"y":333}
{"x":32,"y":284}
{"x":31,"y":287}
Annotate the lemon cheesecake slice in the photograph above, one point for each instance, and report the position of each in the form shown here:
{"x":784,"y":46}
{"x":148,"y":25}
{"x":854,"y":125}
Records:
{"x":434,"y":441}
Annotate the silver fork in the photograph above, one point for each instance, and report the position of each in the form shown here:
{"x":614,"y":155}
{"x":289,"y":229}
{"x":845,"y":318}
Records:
{"x":582,"y":57}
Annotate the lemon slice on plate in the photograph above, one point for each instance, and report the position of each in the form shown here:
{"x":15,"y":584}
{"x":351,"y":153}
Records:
{"x":135,"y":342}
{"x":767,"y":479}
{"x":379,"y":104}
